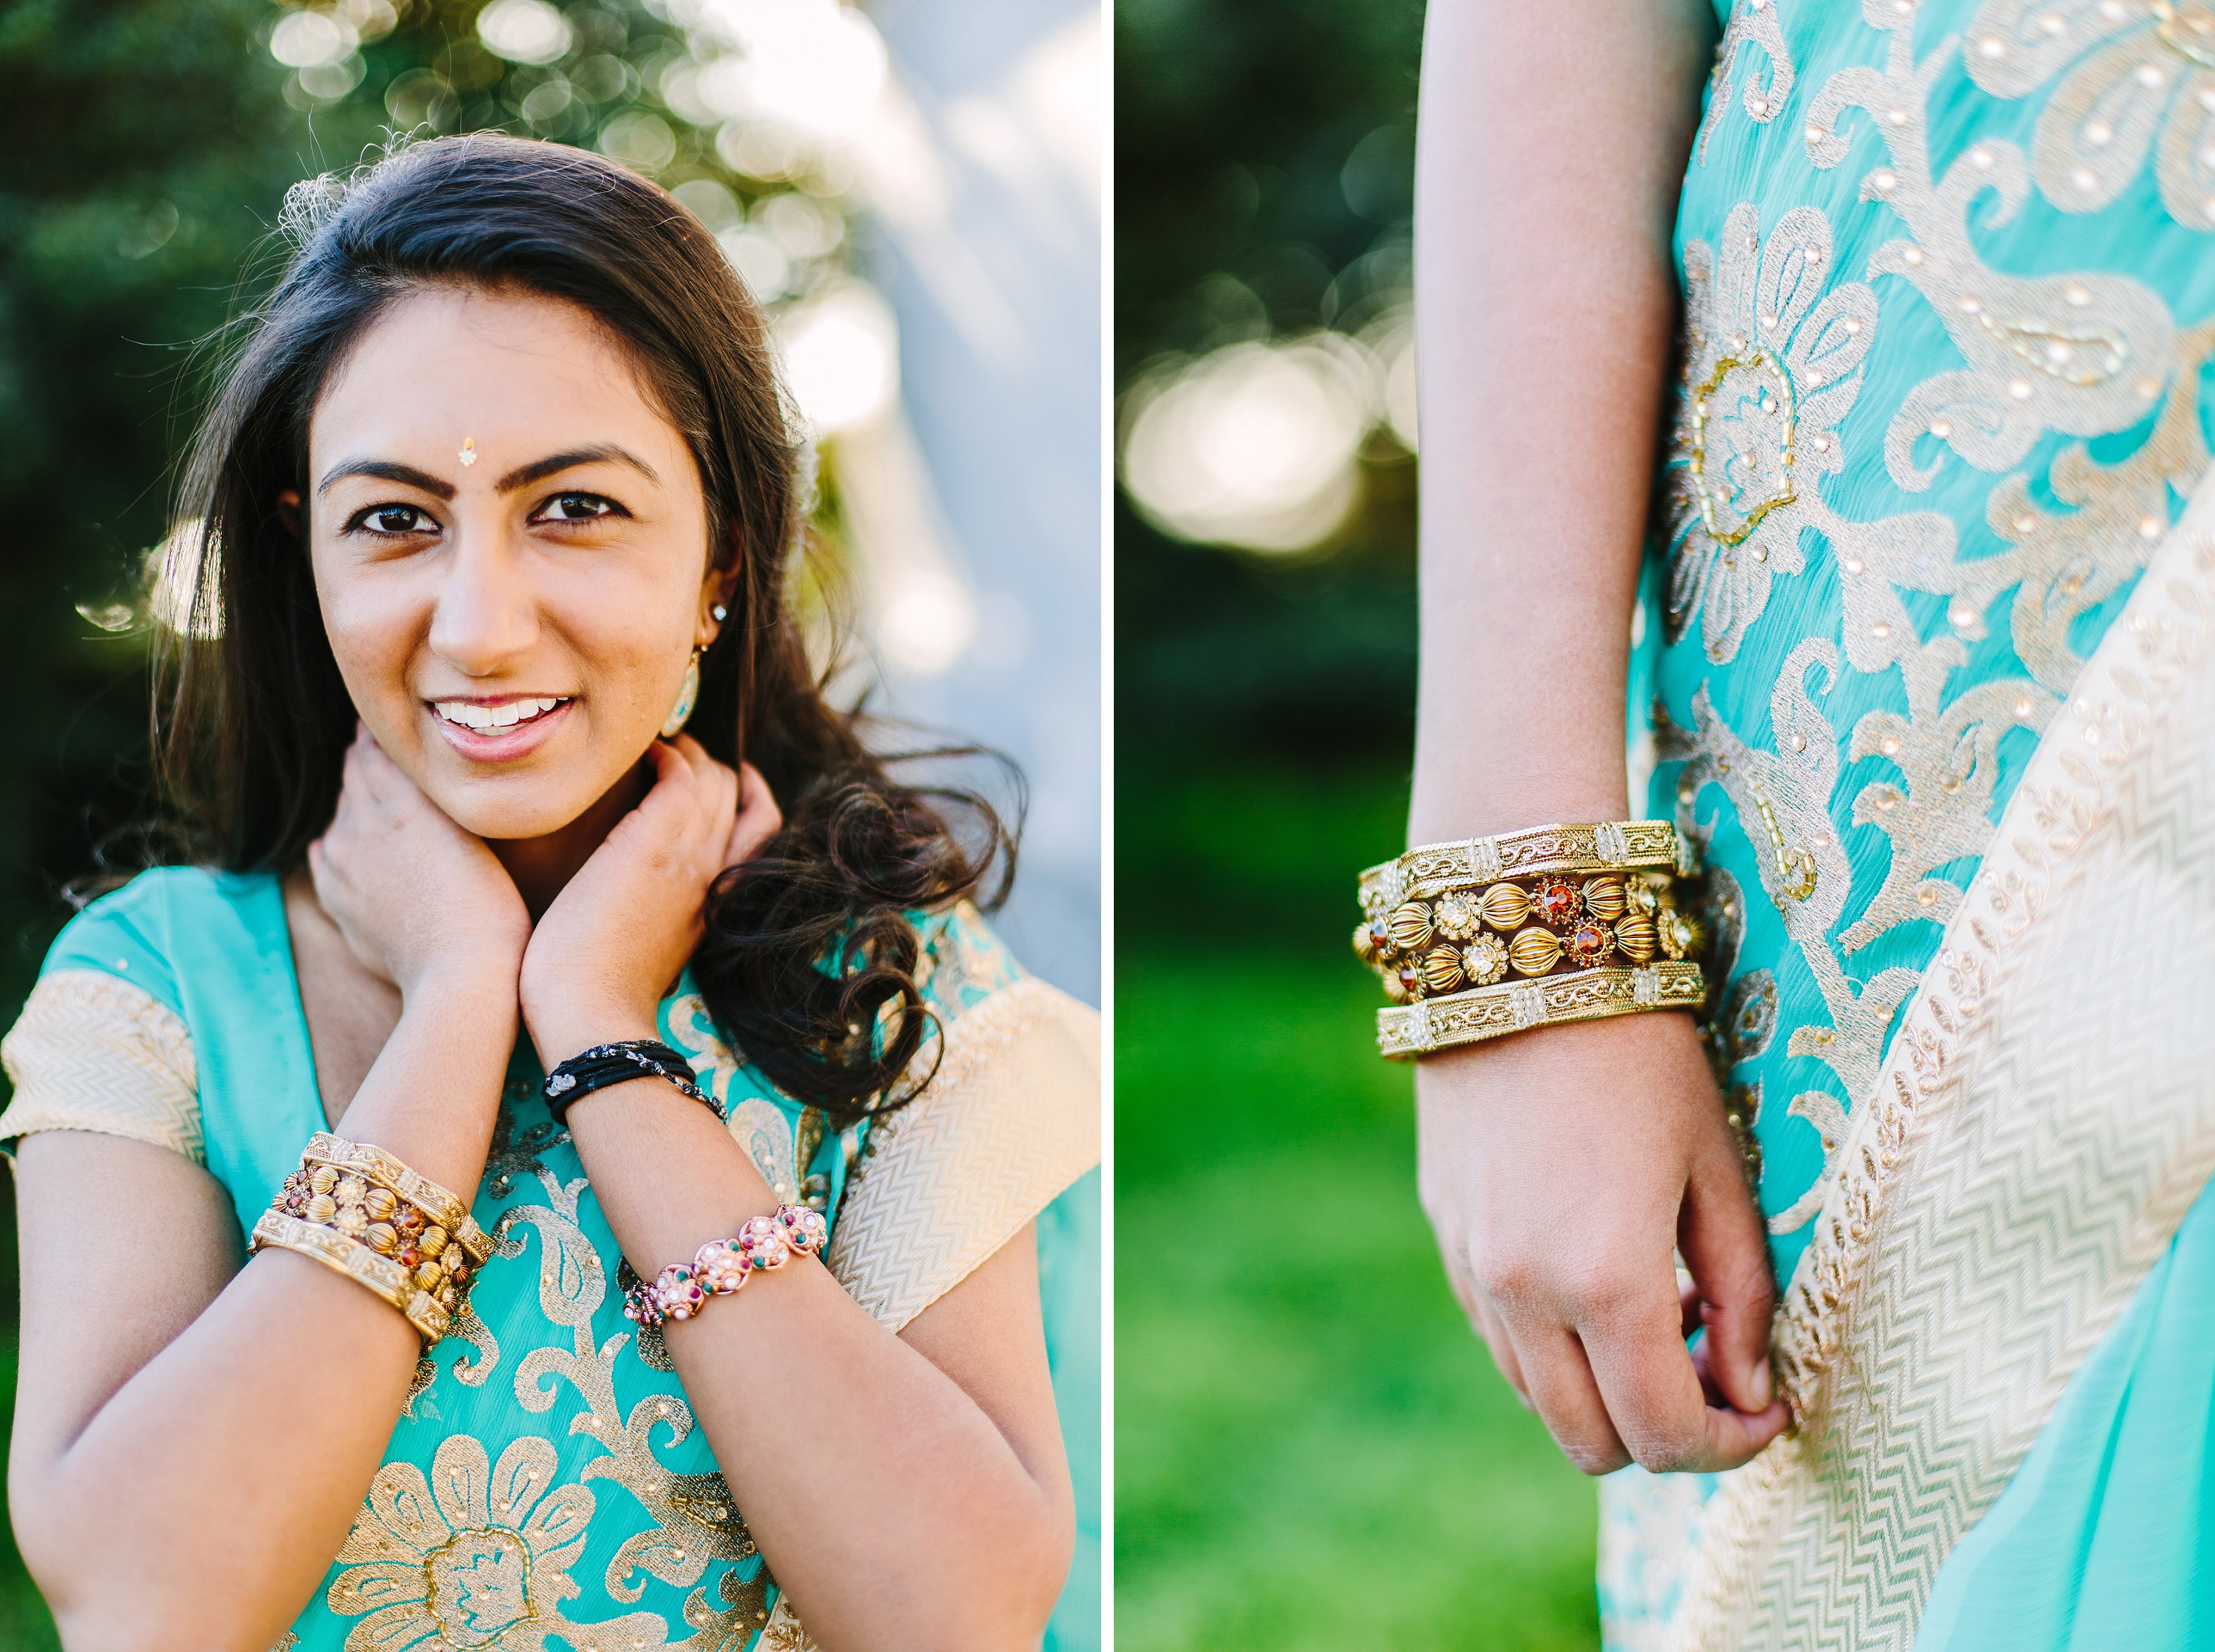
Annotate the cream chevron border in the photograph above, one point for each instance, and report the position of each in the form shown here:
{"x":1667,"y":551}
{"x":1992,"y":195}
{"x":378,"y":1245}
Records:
{"x":1011,"y":1119}
{"x":2045,"y":1118}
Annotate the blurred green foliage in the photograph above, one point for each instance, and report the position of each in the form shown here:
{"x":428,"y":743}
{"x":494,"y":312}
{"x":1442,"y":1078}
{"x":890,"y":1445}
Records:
{"x":149,"y":144}
{"x":1312,"y":1449}
{"x":1264,"y":168}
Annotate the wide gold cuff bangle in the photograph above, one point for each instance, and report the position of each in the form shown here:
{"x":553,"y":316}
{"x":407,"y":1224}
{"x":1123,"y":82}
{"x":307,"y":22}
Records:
{"x":384,"y":1278}
{"x":1605,"y":846}
{"x":1510,"y":1007}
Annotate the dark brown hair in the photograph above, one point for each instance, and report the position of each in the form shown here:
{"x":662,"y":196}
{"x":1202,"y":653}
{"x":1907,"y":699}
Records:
{"x":809,"y":960}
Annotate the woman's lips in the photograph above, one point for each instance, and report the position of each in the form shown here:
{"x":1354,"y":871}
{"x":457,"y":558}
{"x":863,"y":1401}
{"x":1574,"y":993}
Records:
{"x":496,"y":730}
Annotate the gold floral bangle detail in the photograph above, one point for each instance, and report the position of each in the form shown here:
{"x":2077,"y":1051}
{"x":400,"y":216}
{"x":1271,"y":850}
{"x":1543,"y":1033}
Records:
{"x":385,"y":1278}
{"x":363,"y":1194}
{"x":1605,"y":846}
{"x":1467,"y":937}
{"x":1489,"y":1012}
{"x":375,"y":1165}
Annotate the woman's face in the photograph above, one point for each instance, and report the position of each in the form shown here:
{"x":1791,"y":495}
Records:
{"x":510,"y":547}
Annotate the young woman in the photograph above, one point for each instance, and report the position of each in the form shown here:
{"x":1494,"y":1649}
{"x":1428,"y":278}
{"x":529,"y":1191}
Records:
{"x":497,"y":746}
{"x":1916,"y":309}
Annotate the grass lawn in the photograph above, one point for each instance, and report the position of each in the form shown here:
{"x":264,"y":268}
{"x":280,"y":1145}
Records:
{"x":1312,"y":1449}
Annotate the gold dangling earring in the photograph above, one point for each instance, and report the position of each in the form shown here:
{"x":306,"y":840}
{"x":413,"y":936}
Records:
{"x":687,"y":695}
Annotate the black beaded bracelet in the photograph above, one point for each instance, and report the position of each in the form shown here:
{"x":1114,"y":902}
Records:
{"x":617,"y":1064}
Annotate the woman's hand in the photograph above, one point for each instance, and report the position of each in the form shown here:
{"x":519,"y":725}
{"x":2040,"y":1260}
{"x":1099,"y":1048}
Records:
{"x":1560,"y":1168}
{"x":620,"y":931}
{"x":417,"y":898}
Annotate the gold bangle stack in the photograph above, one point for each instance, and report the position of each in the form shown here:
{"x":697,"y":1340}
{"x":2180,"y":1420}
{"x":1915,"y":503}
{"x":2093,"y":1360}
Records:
{"x":1584,"y":917}
{"x":361,"y":1211}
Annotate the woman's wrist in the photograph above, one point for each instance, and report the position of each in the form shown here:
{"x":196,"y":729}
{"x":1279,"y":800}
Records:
{"x":478,"y":981}
{"x":561,"y":1028}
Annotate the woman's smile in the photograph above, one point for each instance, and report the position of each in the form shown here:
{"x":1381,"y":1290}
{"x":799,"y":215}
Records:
{"x":499,"y":727}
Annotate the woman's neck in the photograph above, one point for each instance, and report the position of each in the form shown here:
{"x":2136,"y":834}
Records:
{"x":541,"y":866}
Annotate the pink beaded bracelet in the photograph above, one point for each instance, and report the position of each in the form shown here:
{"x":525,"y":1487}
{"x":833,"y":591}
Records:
{"x":722,"y":1265}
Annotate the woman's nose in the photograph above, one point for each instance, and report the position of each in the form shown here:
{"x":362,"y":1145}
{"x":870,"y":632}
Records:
{"x":487,"y":613}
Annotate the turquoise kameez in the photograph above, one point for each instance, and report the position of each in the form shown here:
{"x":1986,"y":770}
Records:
{"x":1948,"y":273}
{"x":546,"y":1487}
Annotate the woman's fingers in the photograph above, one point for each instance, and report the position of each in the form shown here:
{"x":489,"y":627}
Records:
{"x":759,"y":819}
{"x":715,"y":801}
{"x":1653,"y":1393}
{"x":1559,"y":1380}
{"x":1497,"y":1338}
{"x":1720,"y":1238}
{"x":1486,"y":1323}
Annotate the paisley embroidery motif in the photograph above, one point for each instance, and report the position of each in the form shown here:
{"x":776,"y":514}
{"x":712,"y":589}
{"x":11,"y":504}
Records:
{"x":1752,"y":28}
{"x":1796,"y":785}
{"x":2135,"y":80}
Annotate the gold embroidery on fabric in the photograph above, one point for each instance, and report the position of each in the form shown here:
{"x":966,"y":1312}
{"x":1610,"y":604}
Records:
{"x":1772,"y":363}
{"x":487,"y":1569}
{"x":426,"y":1373}
{"x":2147,"y":87}
{"x":766,"y":1133}
{"x":1732,"y":505}
{"x":1753,"y":27}
{"x":1794,"y":784}
{"x":783,"y":1633}
{"x":683,"y":1540}
{"x":480,"y":1557}
{"x":2060,"y":564}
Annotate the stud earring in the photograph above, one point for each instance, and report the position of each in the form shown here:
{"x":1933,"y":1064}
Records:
{"x":720,"y":613}
{"x":687,"y":695}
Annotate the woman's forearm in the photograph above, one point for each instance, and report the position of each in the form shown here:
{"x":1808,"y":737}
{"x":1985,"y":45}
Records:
{"x":882,"y":1495}
{"x":1549,"y":156}
{"x":201,"y":1503}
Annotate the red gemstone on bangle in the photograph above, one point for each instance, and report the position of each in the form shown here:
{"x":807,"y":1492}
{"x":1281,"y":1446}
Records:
{"x":1555,"y":902}
{"x":1588,"y":942}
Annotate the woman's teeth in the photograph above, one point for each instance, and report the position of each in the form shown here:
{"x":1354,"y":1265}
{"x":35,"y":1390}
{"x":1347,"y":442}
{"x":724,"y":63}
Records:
{"x":469,"y":714}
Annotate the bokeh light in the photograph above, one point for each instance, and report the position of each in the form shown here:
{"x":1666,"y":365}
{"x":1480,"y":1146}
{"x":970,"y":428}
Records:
{"x":1254,"y":444}
{"x":813,"y":68}
{"x":842,"y":358}
{"x":525,"y":31}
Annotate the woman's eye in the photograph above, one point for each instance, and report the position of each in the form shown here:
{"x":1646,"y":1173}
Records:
{"x":394,"y":520}
{"x":576,"y":507}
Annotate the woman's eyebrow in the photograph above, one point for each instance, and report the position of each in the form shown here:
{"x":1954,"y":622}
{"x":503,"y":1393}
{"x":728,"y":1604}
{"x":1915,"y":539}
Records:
{"x":390,"y":470}
{"x":600,"y":453}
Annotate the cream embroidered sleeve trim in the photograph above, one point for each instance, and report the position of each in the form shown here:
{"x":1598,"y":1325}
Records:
{"x":1011,"y":1120}
{"x":92,"y":1051}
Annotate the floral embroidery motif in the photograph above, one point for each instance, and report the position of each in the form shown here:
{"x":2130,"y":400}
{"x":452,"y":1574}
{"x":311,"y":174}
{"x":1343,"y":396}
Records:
{"x":2146,"y":87}
{"x":471,"y":1558}
{"x":1772,"y":364}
